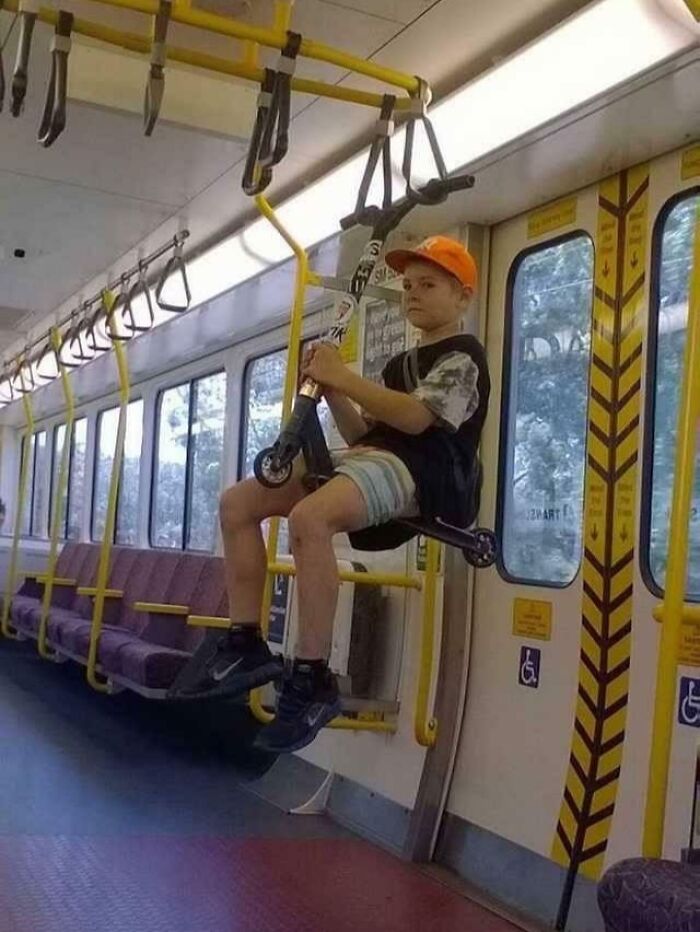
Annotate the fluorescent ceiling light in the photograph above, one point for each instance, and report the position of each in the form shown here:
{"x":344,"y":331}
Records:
{"x":603,"y":46}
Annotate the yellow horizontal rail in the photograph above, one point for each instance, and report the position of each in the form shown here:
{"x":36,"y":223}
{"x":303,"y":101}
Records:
{"x":161,"y":608}
{"x":366,"y":579}
{"x":133,"y":42}
{"x":690,"y":613}
{"x":270,"y":38}
{"x":58,"y":580}
{"x":208,"y":621}
{"x":108,"y":593}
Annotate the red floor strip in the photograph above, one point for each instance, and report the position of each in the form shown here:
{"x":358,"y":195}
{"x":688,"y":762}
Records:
{"x":181,"y":884}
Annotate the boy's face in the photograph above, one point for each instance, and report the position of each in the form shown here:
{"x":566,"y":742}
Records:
{"x":432,"y":299}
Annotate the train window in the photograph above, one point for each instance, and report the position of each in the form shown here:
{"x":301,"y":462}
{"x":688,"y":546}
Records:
{"x":126,"y":530}
{"x":59,"y":438}
{"x":543,"y":432}
{"x":207,"y":451}
{"x":262,"y":405}
{"x":168,"y":501}
{"x":34,"y":522}
{"x":73,"y":499}
{"x":187,"y":469}
{"x":77,"y":489}
{"x":673,"y":257}
{"x":262,"y":413}
{"x":27,"y":450}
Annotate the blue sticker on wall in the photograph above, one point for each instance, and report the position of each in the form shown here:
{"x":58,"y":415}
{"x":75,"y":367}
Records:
{"x":529,"y":674}
{"x":689,"y":702}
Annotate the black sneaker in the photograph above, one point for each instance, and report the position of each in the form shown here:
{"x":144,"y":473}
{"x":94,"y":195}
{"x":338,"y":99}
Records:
{"x":227,"y":664}
{"x":307,"y":701}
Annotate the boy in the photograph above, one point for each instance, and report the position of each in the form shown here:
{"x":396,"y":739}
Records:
{"x":423,"y":427}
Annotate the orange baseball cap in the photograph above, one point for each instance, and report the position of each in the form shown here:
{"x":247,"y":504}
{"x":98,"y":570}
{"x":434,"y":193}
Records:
{"x":442,"y":251}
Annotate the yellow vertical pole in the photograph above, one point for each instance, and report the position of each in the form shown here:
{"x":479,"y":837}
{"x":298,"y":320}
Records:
{"x":59,"y":503}
{"x":11,"y":579}
{"x":425,"y":725}
{"x":283,"y":15}
{"x":109,"y":299}
{"x":666,"y":677}
{"x":290,"y":382}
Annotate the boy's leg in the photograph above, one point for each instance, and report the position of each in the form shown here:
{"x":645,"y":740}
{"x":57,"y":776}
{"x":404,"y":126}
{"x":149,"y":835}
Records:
{"x":309,"y":697}
{"x":230,"y":664}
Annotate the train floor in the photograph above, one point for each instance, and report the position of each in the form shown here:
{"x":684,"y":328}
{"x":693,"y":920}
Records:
{"x":122,"y":815}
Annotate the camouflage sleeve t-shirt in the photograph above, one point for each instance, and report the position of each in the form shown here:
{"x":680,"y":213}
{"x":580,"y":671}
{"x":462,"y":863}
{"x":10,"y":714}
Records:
{"x":450,"y":389}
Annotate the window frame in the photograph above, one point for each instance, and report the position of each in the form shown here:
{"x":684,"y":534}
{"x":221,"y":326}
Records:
{"x":503,"y":433}
{"x":647,"y":451}
{"x":243,"y":420}
{"x":31,"y":531}
{"x":95,"y":464}
{"x":63,"y":534}
{"x":189,"y":459}
{"x":66,"y":512}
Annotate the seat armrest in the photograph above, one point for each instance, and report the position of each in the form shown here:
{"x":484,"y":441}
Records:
{"x":109,"y":593}
{"x":208,"y":621}
{"x":158,"y":608}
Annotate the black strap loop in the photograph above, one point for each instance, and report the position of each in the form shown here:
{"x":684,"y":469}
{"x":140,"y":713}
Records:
{"x":155,"y":86}
{"x":362,"y":214}
{"x":174,"y":264}
{"x":269,"y":142}
{"x":53,"y":121}
{"x":91,"y":330}
{"x":28,"y":18}
{"x":419,"y":113}
{"x":140,"y":287}
{"x":76,"y":338}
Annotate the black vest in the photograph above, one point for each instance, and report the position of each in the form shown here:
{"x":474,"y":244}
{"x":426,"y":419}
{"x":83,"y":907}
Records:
{"x":442,"y":463}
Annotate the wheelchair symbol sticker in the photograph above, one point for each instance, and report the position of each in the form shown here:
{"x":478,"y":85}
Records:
{"x":689,"y":703}
{"x":529,"y":674}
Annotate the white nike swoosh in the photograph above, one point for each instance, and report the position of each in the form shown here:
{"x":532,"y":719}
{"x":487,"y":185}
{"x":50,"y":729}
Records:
{"x":220,"y":674}
{"x":312,"y":718}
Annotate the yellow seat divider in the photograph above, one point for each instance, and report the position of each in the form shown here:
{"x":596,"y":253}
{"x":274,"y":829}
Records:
{"x":157,"y":608}
{"x":208,"y":621}
{"x":108,"y":593}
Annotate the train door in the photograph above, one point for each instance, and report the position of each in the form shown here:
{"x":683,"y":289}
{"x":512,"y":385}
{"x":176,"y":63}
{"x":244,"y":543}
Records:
{"x":585,"y":297}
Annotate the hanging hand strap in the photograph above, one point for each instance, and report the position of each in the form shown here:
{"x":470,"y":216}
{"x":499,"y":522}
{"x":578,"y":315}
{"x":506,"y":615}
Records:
{"x":380,"y":144}
{"x":53,"y":122}
{"x":419,"y":113}
{"x":28,"y":11}
{"x":174,"y":264}
{"x":139,"y":288}
{"x":91,"y":330}
{"x":155,"y":87}
{"x":270,"y":139}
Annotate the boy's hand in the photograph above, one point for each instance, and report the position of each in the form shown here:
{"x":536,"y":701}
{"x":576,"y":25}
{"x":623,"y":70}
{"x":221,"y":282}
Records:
{"x":323,"y":364}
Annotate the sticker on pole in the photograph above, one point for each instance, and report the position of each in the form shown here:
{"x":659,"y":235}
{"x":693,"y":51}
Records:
{"x":529,"y":674}
{"x":689,"y":702}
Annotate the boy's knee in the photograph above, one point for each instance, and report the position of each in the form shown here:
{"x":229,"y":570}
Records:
{"x":306,"y":519}
{"x":233,"y":505}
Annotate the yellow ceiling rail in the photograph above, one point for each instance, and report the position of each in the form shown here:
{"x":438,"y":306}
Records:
{"x":246,"y":69}
{"x":224,"y":26}
{"x":59,"y":498}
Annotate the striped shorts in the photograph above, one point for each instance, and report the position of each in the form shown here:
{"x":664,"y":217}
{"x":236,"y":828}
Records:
{"x":384,"y":481}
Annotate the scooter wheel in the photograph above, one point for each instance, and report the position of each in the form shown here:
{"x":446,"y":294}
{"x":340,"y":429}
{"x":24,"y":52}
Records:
{"x":484,"y":551}
{"x":265,"y":471}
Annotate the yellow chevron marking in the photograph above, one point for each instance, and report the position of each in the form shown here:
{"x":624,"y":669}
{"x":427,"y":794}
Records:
{"x":597,"y":741}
